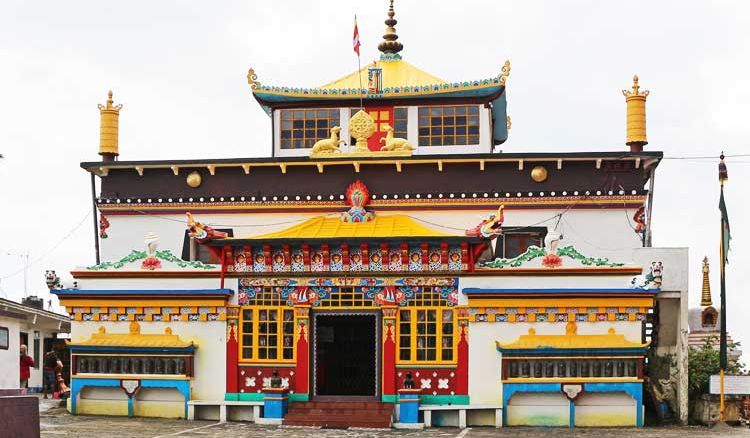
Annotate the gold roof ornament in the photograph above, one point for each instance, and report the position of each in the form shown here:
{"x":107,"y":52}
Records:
{"x":390,"y":46}
{"x":328,"y":145}
{"x":392,"y":143}
{"x":109,"y":130}
{"x":635,"y":100}
{"x":134,"y":338}
{"x":361,"y":127}
{"x":504,"y":72}
{"x":706,"y":290}
{"x":252,"y":79}
{"x":571,"y":339}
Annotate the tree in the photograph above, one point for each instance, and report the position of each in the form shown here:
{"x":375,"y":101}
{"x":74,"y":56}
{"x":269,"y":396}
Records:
{"x":703,"y":363}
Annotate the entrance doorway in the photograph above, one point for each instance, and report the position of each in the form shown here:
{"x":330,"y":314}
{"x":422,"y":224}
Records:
{"x":345,"y":354}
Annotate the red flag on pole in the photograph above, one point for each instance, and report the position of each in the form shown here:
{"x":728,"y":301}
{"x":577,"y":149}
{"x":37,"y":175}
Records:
{"x":355,"y":40}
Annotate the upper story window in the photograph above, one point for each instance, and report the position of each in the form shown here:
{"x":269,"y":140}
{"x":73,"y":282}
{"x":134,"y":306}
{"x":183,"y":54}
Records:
{"x":449,"y":125}
{"x":516,"y":243}
{"x":300,"y":129}
{"x":400,"y":122}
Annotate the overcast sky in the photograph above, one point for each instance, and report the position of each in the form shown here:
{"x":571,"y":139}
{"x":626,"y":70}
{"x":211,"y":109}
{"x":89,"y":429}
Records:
{"x":179,"y":69}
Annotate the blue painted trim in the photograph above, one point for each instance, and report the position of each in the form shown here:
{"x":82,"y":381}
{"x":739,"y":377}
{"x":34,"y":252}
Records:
{"x":141,"y":292}
{"x":100,"y":349}
{"x":571,"y":413}
{"x":634,"y":390}
{"x":511,"y":388}
{"x":76,"y":385}
{"x":567,"y":291}
{"x":542,"y":350}
{"x":183,"y":386}
{"x":268,"y":98}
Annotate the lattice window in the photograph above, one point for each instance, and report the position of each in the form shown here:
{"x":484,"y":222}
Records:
{"x":267,"y":334}
{"x":427,"y":296}
{"x":345,"y":297}
{"x":268,"y":296}
{"x":247,"y":333}
{"x":401,"y":122}
{"x":449,"y":125}
{"x":427,"y":335}
{"x":300,"y":129}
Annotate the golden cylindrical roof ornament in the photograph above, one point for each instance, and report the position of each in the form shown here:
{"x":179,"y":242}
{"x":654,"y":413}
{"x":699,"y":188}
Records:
{"x":109,"y":129}
{"x":635,"y":130}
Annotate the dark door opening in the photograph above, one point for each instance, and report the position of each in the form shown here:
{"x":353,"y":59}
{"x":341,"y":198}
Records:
{"x":345,"y":355}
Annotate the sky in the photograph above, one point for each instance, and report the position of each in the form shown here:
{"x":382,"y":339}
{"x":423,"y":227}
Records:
{"x":179,"y":68}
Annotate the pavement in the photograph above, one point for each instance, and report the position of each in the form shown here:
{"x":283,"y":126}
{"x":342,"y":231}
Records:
{"x":56,"y":422}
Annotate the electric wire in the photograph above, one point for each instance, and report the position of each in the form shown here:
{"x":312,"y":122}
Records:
{"x":51,"y":250}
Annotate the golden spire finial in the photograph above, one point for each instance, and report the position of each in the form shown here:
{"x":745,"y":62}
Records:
{"x":706,"y":291}
{"x":109,"y":129}
{"x":389,"y":46}
{"x":635,"y":128}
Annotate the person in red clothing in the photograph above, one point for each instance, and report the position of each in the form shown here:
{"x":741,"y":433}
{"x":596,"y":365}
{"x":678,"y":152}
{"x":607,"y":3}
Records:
{"x":26,"y":363}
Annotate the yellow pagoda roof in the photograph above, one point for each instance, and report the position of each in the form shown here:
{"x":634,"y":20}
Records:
{"x":133,"y":338}
{"x":326,"y":227}
{"x":396,"y":73}
{"x":570,"y":340}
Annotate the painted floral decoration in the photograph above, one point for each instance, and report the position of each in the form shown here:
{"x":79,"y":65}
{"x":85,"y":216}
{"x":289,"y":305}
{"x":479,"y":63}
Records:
{"x":151,"y":263}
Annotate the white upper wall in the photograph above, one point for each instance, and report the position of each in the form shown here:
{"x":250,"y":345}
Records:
{"x":593,"y":232}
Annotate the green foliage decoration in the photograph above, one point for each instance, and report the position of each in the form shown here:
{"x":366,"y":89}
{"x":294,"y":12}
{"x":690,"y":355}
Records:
{"x":569,"y":251}
{"x":531,"y":253}
{"x":136,"y":255}
{"x":534,"y":251}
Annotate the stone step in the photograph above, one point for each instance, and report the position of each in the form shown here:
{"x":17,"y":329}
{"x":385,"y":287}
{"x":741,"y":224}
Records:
{"x":343,"y":411}
{"x":339,"y":405}
{"x":340,"y":414}
{"x":343,"y":423}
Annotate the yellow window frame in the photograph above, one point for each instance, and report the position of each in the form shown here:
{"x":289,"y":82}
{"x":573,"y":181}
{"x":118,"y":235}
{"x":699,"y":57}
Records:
{"x":256,"y":335}
{"x":438,"y":333}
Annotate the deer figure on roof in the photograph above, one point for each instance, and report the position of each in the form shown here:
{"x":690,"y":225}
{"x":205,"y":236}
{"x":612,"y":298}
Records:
{"x":329,"y":145}
{"x":393,"y":143}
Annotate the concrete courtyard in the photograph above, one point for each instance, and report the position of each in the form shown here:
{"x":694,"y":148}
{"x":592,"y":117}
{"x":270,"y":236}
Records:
{"x":56,"y":422}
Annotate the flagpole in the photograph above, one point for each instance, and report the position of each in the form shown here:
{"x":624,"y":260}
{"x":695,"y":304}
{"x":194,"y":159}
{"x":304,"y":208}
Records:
{"x":723,"y":248}
{"x":359,"y":73}
{"x":359,"y":63}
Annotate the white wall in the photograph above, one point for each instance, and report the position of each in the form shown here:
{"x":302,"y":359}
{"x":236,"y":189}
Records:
{"x":10,"y":376}
{"x":673,"y":319}
{"x":484,"y":358}
{"x":210,"y":356}
{"x":149,"y":283}
{"x":594,"y":232}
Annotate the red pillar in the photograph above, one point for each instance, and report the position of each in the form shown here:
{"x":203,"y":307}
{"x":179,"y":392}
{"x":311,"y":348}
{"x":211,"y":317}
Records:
{"x":462,"y":367}
{"x":389,"y":351}
{"x":232,"y":350}
{"x":302,"y":381}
